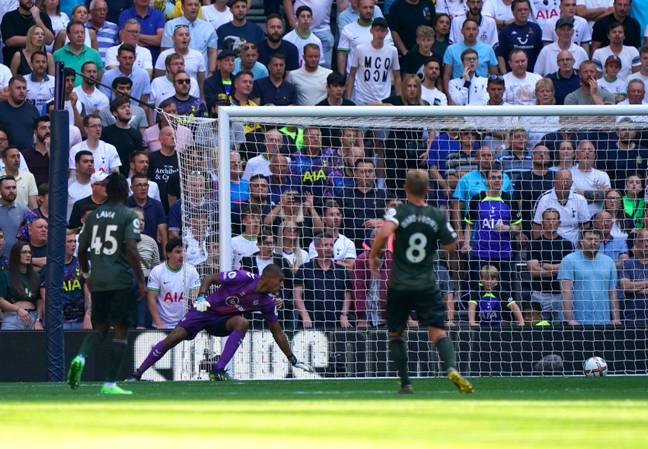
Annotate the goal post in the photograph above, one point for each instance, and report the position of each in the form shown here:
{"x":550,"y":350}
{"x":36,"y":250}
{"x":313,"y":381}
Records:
{"x":336,"y":320}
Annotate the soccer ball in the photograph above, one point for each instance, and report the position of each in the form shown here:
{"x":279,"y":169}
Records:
{"x":595,"y":367}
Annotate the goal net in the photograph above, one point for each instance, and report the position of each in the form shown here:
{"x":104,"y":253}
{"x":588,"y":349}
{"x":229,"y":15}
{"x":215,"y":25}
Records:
{"x":548,"y":204}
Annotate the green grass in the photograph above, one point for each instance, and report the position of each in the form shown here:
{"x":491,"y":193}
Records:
{"x":547,"y":413}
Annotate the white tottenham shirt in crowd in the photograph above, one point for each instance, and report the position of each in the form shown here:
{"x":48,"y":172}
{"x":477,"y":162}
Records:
{"x":354,"y":35}
{"x":215,"y":17}
{"x":300,"y":42}
{"x":434,"y":96}
{"x":582,"y":31}
{"x":591,"y":180}
{"x":375,"y":66}
{"x":343,"y":249}
{"x":547,"y":62}
{"x":498,"y":10}
{"x":629,"y":57}
{"x":543,"y":10}
{"x":572,"y":214}
{"x":194,"y":62}
{"x":143,"y":57}
{"x":172,"y":288}
{"x":93,"y":102}
{"x":162,"y":88}
{"x":487,"y":30}
{"x":520,"y":90}
{"x":105,"y":156}
{"x":473,"y":94}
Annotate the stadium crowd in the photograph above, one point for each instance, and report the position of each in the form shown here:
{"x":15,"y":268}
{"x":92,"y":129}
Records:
{"x":551,"y":216}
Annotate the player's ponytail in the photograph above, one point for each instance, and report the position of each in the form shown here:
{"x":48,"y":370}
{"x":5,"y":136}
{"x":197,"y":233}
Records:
{"x":117,"y":189}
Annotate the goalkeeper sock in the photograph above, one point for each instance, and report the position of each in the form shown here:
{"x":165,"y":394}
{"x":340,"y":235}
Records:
{"x":398,"y":352}
{"x":447,"y":353}
{"x":157,"y":352}
{"x":233,"y":342}
{"x":117,"y":354}
{"x":89,"y":344}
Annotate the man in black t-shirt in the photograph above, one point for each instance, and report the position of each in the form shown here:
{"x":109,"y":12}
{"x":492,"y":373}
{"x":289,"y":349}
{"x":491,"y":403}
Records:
{"x":404,"y":18}
{"x":621,"y":14}
{"x":274,"y":43}
{"x":125,"y":138}
{"x":15,"y":25}
{"x":163,"y":164}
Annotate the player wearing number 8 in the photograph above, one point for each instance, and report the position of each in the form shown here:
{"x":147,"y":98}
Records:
{"x":109,"y":239}
{"x":417,"y":227}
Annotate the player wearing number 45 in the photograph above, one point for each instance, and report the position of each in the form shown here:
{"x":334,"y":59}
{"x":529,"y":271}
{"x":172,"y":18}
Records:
{"x":221,"y":314}
{"x":417,"y":228}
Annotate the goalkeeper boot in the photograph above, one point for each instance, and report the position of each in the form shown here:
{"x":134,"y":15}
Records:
{"x":461,"y":382}
{"x":114,"y":389}
{"x":75,"y":371}
{"x":220,"y":375}
{"x":406,"y":389}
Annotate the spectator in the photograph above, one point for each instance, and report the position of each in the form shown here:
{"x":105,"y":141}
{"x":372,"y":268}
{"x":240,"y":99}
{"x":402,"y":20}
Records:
{"x":257,"y":262}
{"x":621,"y":14}
{"x":633,"y":280}
{"x":626,"y":56}
{"x":162,"y":87}
{"x":245,"y":244}
{"x":75,"y":53}
{"x":11,"y":212}
{"x":130,"y":34}
{"x":122,"y":86}
{"x":321,"y":24}
{"x":87,"y":93}
{"x":141,"y":84}
{"x":220,"y":86}
{"x":239,"y":188}
{"x":106,"y":30}
{"x":289,"y":246}
{"x":642,"y":74}
{"x":41,"y":211}
{"x":414,"y":60}
{"x":105,"y":155}
{"x":516,"y":159}
{"x":632,"y":204}
{"x":520,"y":84}
{"x":543,"y":11}
{"x":217,"y":14}
{"x":151,"y":22}
{"x":203,"y":36}
{"x":17,"y":115}
{"x":296,"y":208}
{"x":614,"y":247}
{"x":488,"y":309}
{"x":95,"y":199}
{"x":274,"y":43}
{"x":40,"y":86}
{"x":37,"y":157}
{"x":622,"y":154}
{"x":239,"y":31}
{"x":139,"y":165}
{"x":16,"y":23}
{"x":377,"y":59}
{"x":193,"y":60}
{"x":310,"y":79}
{"x":572,"y":206}
{"x":26,"y":190}
{"x":77,"y":300}
{"x":121,"y":135}
{"x":565,"y":80}
{"x":535,"y":183}
{"x":79,"y":186}
{"x":301,"y":35}
{"x":80,"y":14}
{"x":405,"y":16}
{"x":260,"y":165}
{"x":313,"y":166}
{"x":351,"y":14}
{"x":279,"y":180}
{"x":453,"y":66}
{"x":588,"y":180}
{"x":469,"y":89}
{"x":441,"y":26}
{"x":20,"y":294}
{"x":258,"y":197}
{"x":248,"y":61}
{"x":548,"y":57}
{"x":430,"y":87}
{"x":35,"y":41}
{"x":610,"y":80}
{"x":167,"y":284}
{"x":592,"y":10}
{"x":150,"y":254}
{"x":335,"y":93}
{"x":582,"y":33}
{"x":487,"y":33}
{"x":344,"y":250}
{"x":547,"y":252}
{"x":59,"y":18}
{"x":74,"y":107}
{"x":38,"y":242}
{"x":156,"y":220}
{"x":322,"y":292}
{"x":163,"y":164}
{"x":500,"y":10}
{"x":588,"y":284}
{"x":589,"y":93}
{"x":187,"y":104}
{"x":522,"y":33}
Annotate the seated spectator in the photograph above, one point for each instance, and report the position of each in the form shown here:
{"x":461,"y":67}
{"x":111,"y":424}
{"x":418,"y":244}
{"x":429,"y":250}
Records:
{"x":633,"y":204}
{"x":470,"y":89}
{"x":275,"y":43}
{"x":274,"y":89}
{"x":11,"y":213}
{"x":20,"y":298}
{"x":322,"y":290}
{"x":572,"y":206}
{"x":620,"y":14}
{"x":310,"y":78}
{"x":520,"y":84}
{"x":344,"y":250}
{"x":151,"y":21}
{"x":73,"y":106}
{"x":122,"y":86}
{"x":486,"y":24}
{"x":547,"y":59}
{"x":38,"y":242}
{"x":414,"y":60}
{"x":500,"y":10}
{"x":129,"y":33}
{"x":194,"y":60}
{"x":622,"y":225}
{"x":80,"y":14}
{"x":610,"y":80}
{"x":642,"y":74}
{"x":20,"y":63}
{"x":626,"y":56}
{"x":635,"y":95}
{"x":239,"y":188}
{"x":565,"y":157}
{"x":313,"y":167}
{"x":40,"y":85}
{"x":26,"y":190}
{"x":441,"y":25}
{"x":615,"y":248}
{"x":405,"y":18}
{"x":622,"y":154}
{"x":248,"y":61}
{"x":589,"y":93}
{"x":280,"y":179}
{"x":17,"y":18}
{"x":187,"y":104}
{"x":220,"y":86}
{"x":633,"y":281}
{"x":487,"y":311}
{"x":258,"y":197}
{"x":290,"y":245}
{"x":139,"y":165}
{"x":96,"y":198}
{"x":17,"y":115}
{"x":588,"y":284}
{"x":265,"y":256}
{"x":141,"y":83}
{"x":260,"y":165}
{"x":566,"y":79}
{"x":163,"y":164}
{"x":302,"y":36}
{"x":589,"y":181}
{"x":431,"y":85}
{"x":547,"y":252}
{"x":156,"y":220}
{"x":582,"y":33}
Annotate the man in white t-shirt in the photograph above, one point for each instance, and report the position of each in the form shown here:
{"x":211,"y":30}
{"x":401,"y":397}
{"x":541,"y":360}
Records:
{"x":310,"y":78}
{"x":260,"y":165}
{"x":105,"y":156}
{"x":547,"y":62}
{"x":321,"y":24}
{"x":429,"y":90}
{"x":642,"y":74}
{"x":162,"y":87}
{"x":520,"y":84}
{"x":170,"y":285}
{"x":344,"y":250}
{"x":301,"y":36}
{"x":245,"y":245}
{"x":129,"y":34}
{"x":92,"y":98}
{"x":194,"y":60}
{"x":589,"y":181}
{"x":543,"y":10}
{"x":5,"y":76}
{"x":487,"y":26}
{"x":217,"y":14}
{"x":80,"y":186}
{"x":582,"y":32}
{"x":629,"y":56}
{"x":592,"y":10}
{"x":374,"y":68}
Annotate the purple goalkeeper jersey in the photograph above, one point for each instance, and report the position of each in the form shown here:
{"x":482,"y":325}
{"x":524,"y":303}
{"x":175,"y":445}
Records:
{"x":237,"y":294}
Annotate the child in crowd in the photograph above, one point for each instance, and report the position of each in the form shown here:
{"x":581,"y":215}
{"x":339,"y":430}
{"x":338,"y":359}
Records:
{"x":487,"y":310}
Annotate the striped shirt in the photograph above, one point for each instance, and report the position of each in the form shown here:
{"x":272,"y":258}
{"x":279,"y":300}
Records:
{"x":106,"y":36}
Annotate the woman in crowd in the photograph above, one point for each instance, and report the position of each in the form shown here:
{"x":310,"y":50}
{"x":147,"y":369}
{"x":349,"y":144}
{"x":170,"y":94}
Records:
{"x":538,"y":127}
{"x":565,"y":156}
{"x":21,"y":61}
{"x":80,"y":13}
{"x":20,"y":292}
{"x":622,"y":224}
{"x":441,"y":27}
{"x":289,"y":246}
{"x":295,"y":208}
{"x":59,"y":18}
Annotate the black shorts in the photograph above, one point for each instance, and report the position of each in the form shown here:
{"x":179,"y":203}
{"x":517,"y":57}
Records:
{"x":114,"y":306}
{"x":428,"y":305}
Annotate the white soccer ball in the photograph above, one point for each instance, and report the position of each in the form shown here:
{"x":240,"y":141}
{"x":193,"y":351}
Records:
{"x":595,"y":367}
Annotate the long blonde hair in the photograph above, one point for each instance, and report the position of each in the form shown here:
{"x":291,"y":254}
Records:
{"x":406,"y":79}
{"x":28,"y":42}
{"x":297,"y":249}
{"x":547,"y":84}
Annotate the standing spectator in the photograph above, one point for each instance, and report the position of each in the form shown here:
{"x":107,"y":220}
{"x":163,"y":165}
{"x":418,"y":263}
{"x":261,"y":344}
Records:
{"x":621,"y":14}
{"x":239,"y":188}
{"x":42,"y":211}
{"x":121,"y":135}
{"x":633,"y":280}
{"x":130,"y":34}
{"x":592,"y":10}
{"x":414,"y":60}
{"x":489,"y":306}
{"x":274,"y":43}
{"x":344,"y":250}
{"x":405,"y":16}
{"x":260,"y":165}
{"x":543,"y":10}
{"x":301,"y":36}
{"x":106,"y":30}
{"x":588,"y":284}
{"x":203,"y":36}
{"x":274,"y":89}
{"x":245,"y":244}
{"x":616,"y":247}
{"x":547,"y":252}
{"x":313,"y":166}
{"x":162,"y":87}
{"x":92,"y":99}
{"x":310,"y":79}
{"x":163,"y":164}
{"x":521,"y":34}
{"x":151,"y":22}
{"x":582,"y":32}
{"x":194,"y":61}
{"x":516,"y":159}
{"x":441,"y":35}
{"x":38,"y":242}
{"x":588,"y":180}
{"x":73,"y":106}
{"x":105,"y":156}
{"x":240,"y":30}
{"x":96,"y":198}
{"x":469,"y":89}
{"x":588,"y":93}
{"x":350,"y":14}
{"x":40,"y":85}
{"x":220,"y":86}
{"x":610,"y":80}
{"x":520,"y":84}
{"x":26,"y":190}
{"x":628,"y":57}
{"x":534,"y":183}
{"x":141,"y":83}
{"x":16,"y":23}
{"x":572,"y":206}
{"x":21,"y":61}
{"x":258,"y":198}
{"x":248,"y":61}
{"x":487,"y":33}
{"x":79,"y":185}
{"x":139,"y":165}
{"x":37,"y":156}
{"x":17,"y":115}
{"x":622,"y":154}
{"x":20,"y":294}
{"x":374,"y":68}
{"x":642,"y":74}
{"x":218,"y":13}
{"x":187,"y":104}
{"x":156,"y":220}
{"x":565,"y":79}
{"x":430,"y":86}
{"x":547,"y":59}
{"x":122,"y":86}
{"x":11,"y":212}
{"x":321,"y":25}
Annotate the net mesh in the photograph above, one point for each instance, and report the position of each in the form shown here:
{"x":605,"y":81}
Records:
{"x":522,"y":296}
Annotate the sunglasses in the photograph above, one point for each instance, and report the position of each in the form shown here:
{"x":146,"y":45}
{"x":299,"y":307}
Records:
{"x":183,"y":81}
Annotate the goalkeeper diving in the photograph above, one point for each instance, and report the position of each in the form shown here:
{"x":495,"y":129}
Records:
{"x":220,"y":314}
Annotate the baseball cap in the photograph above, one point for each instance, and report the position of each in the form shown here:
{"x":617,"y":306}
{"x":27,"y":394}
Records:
{"x":564,"y":21}
{"x":98,"y":176}
{"x":225,"y":53}
{"x":613,"y":58}
{"x":379,"y":22}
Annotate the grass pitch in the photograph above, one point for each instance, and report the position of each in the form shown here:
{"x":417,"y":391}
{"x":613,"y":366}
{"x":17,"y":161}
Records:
{"x":547,"y":413}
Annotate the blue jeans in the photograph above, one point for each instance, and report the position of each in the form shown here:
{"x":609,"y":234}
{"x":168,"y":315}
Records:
{"x":327,"y":45}
{"x":12,"y":322}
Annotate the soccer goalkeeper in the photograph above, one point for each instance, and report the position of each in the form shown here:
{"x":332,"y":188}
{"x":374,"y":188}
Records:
{"x":220,"y":314}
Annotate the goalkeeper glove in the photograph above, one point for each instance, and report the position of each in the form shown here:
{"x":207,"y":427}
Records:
{"x":301,"y":365}
{"x":201,"y":304}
